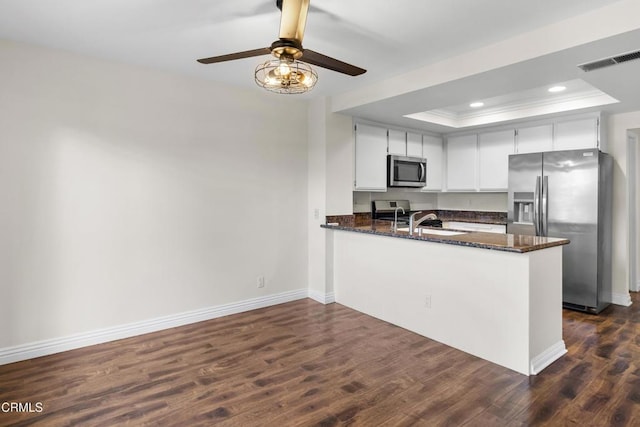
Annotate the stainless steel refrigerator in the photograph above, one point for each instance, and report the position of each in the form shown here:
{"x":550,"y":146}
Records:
{"x":568,"y":194}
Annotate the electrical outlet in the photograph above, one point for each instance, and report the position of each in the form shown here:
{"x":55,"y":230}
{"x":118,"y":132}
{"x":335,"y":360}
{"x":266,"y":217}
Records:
{"x":316,"y":213}
{"x":260,"y":281}
{"x":427,"y":301}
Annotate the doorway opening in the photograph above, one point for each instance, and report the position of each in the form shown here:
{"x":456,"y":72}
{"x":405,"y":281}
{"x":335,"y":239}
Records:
{"x":633,"y":167}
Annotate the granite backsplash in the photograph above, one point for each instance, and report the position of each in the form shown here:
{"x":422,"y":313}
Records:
{"x":364,"y":218}
{"x":472,"y":216}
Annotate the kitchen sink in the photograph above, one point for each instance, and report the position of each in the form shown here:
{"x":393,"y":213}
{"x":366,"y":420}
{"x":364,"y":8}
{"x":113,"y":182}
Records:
{"x":432,"y":231}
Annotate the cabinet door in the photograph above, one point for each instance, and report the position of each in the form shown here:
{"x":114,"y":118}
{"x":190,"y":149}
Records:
{"x":414,"y":144}
{"x":432,"y":151}
{"x":371,"y":158}
{"x":397,"y":142}
{"x":535,"y":139}
{"x":462,"y":162}
{"x":576,"y":134}
{"x":493,"y":159}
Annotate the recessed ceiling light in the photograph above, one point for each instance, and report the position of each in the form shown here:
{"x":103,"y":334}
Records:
{"x":555,"y":89}
{"x":476,"y":104}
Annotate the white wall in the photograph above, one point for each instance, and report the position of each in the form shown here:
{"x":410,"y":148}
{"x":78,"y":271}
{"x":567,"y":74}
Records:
{"x":340,"y":161}
{"x":636,"y":133}
{"x":128,"y":194}
{"x":634,"y":210}
{"x":490,"y":202}
{"x":418,"y":200}
{"x":317,"y":197}
{"x":330,"y":163}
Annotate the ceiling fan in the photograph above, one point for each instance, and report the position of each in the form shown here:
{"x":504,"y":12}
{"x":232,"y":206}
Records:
{"x":289,"y":73}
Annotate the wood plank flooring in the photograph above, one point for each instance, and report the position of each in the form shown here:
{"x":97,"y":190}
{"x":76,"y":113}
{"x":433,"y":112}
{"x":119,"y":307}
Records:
{"x":306,"y":364}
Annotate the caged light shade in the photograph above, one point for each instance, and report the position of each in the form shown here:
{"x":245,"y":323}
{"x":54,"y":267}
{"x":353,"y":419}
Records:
{"x":286,"y":75}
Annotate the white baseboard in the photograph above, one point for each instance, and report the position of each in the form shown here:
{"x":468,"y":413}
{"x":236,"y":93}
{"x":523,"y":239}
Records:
{"x":322,"y":298}
{"x":547,"y":357}
{"x":623,"y":299}
{"x":57,"y":345}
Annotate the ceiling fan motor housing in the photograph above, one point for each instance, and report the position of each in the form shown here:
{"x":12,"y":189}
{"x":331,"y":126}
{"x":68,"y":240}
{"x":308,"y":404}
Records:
{"x":286,"y":49}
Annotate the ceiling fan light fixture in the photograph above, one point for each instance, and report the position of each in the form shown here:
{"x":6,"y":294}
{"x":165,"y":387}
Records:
{"x":284,"y":69}
{"x":285,"y":75}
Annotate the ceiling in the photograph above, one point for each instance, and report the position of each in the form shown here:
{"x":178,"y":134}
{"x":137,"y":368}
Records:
{"x":405,"y":45}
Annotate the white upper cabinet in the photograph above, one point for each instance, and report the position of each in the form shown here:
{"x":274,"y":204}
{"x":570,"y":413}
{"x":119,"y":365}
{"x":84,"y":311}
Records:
{"x":371,"y":158}
{"x":397,"y":142}
{"x":561,"y":135}
{"x":414,"y":144}
{"x":462,"y":160}
{"x":576,"y":134}
{"x":494,"y":149}
{"x":432,"y":151}
{"x":535,"y":139}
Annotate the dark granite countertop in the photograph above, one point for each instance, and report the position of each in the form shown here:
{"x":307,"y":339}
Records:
{"x":502,"y":242}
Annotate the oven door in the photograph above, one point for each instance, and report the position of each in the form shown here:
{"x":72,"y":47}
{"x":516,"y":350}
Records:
{"x":406,"y":171}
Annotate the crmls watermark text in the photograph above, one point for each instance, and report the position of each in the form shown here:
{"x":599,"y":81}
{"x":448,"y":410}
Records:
{"x":21,"y":407}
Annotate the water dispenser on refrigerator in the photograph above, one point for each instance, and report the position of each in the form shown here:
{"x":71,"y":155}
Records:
{"x":523,"y":208}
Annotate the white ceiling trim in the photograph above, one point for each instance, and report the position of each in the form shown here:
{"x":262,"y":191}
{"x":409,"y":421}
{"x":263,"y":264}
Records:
{"x":605,"y":22}
{"x":593,"y":98}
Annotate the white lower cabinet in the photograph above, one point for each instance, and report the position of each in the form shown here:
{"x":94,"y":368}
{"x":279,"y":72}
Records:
{"x":371,"y":158}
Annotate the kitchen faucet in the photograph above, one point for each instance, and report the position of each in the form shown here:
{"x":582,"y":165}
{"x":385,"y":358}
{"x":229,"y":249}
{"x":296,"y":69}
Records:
{"x":395,"y":219}
{"x":413,"y":223}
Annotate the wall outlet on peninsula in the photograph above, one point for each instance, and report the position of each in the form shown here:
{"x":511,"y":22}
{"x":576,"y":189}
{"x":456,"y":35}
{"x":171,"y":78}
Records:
{"x":260,"y":281}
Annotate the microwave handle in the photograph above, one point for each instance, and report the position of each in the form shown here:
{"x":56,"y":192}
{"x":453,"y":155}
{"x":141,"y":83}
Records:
{"x":422,"y":171}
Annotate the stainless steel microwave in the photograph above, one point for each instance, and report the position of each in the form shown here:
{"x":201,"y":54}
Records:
{"x":406,"y":171}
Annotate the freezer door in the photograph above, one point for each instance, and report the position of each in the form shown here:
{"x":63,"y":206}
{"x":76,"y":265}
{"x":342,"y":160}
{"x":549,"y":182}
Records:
{"x":525,"y":172}
{"x":571,"y":201}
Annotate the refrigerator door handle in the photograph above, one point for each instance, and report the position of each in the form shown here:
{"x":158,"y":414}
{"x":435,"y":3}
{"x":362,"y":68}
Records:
{"x":545,"y":205}
{"x":536,"y":207}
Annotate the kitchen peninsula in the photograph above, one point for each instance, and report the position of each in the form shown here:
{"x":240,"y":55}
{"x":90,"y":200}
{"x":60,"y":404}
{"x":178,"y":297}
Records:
{"x":496,"y":296}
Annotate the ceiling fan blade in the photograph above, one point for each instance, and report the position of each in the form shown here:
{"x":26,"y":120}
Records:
{"x":237,"y":55}
{"x":324,"y":61}
{"x":293,"y":19}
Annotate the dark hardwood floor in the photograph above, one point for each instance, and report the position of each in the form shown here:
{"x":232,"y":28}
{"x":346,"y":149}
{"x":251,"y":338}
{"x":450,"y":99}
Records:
{"x":303,"y":363}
